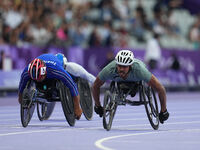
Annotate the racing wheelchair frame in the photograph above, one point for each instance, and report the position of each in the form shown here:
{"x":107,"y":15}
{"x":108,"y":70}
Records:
{"x":46,"y":95}
{"x":117,"y":95}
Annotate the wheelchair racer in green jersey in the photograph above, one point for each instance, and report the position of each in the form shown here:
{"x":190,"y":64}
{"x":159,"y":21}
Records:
{"x":126,"y":68}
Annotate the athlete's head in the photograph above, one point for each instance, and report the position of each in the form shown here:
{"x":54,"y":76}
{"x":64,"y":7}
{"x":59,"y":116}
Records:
{"x":37,"y":70}
{"x":124,"y":59}
{"x":62,"y":58}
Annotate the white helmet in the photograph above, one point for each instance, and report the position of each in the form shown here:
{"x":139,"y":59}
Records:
{"x":124,"y":58}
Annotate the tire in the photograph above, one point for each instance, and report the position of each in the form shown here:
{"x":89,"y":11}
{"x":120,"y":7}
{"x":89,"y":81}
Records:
{"x":109,"y":108}
{"x":50,"y":108}
{"x":41,"y":110}
{"x":44,"y":110}
{"x":67,"y":103}
{"x":151,"y":106}
{"x":27,"y":106}
{"x":85,"y":98}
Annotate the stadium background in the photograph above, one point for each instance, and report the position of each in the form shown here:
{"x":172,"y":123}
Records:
{"x":90,"y":32}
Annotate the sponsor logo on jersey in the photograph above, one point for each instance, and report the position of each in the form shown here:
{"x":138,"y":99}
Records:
{"x":50,"y":62}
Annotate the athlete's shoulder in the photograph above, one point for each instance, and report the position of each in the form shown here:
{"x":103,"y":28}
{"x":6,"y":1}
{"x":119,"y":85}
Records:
{"x":138,"y":63}
{"x":110,"y":67}
{"x":111,"y":64}
{"x":46,"y":56}
{"x":51,"y":61}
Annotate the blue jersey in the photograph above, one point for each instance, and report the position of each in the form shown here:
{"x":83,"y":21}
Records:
{"x":54,"y":70}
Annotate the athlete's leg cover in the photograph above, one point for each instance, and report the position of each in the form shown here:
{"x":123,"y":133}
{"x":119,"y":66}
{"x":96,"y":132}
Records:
{"x":78,"y":71}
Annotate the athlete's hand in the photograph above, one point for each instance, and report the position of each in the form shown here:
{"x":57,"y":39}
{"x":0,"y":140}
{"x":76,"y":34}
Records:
{"x":19,"y":98}
{"x":163,"y":116}
{"x":99,"y":110}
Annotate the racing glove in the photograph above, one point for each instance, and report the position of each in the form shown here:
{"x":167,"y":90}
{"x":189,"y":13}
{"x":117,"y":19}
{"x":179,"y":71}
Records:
{"x":163,"y":116}
{"x":99,"y":110}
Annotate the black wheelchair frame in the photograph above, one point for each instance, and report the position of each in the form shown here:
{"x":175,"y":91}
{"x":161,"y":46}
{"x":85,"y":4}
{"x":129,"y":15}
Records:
{"x":46,"y":95}
{"x":117,"y":95}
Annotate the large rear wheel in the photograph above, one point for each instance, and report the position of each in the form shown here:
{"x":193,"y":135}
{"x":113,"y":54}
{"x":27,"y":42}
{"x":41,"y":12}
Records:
{"x":151,"y":106}
{"x":67,"y":103}
{"x":109,"y":107}
{"x":27,"y":106}
{"x":85,"y":98}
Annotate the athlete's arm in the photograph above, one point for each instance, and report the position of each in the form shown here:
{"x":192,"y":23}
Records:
{"x":96,"y":91}
{"x":63,"y":76}
{"x":22,"y":84}
{"x":154,"y":83}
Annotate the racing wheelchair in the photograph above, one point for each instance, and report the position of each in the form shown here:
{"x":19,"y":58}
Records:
{"x":46,"y":94}
{"x":117,"y":95}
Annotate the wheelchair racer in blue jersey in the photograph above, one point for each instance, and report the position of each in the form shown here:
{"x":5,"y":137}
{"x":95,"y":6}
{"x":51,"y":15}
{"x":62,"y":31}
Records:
{"x":48,"y":66}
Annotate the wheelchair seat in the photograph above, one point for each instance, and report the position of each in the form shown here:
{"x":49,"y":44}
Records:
{"x":127,"y":86}
{"x":48,"y":88}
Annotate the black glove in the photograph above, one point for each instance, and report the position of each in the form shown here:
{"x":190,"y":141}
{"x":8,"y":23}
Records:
{"x":98,"y":110}
{"x":163,"y":116}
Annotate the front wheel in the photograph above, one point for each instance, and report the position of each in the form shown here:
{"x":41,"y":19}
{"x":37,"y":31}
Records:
{"x":41,"y":110}
{"x":50,"y":108}
{"x":44,"y":110}
{"x":151,"y":106}
{"x":109,"y":109}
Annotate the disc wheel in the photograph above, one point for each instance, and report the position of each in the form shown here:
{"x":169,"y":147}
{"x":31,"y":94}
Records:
{"x":44,"y":110}
{"x":85,"y":98}
{"x":109,"y":107}
{"x":151,"y":106}
{"x":50,"y":108}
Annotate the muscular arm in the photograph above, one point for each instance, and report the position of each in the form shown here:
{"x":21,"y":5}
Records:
{"x":96,"y":90}
{"x":155,"y":84}
{"x":23,"y":81}
{"x":62,"y":75}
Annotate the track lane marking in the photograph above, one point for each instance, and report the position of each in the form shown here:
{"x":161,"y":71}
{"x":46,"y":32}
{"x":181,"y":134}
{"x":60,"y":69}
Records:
{"x":99,"y":143}
{"x":89,"y":128}
{"x":62,"y":118}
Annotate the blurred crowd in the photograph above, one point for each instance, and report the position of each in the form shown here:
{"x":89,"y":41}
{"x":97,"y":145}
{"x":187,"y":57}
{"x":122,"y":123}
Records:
{"x":89,"y":23}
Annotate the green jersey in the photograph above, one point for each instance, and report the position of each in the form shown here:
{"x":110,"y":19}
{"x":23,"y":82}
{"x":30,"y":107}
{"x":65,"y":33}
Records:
{"x":138,"y":72}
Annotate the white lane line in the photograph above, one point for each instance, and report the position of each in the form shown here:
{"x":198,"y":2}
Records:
{"x":81,"y":128}
{"x":28,"y":132}
{"x":116,"y":120}
{"x":99,"y":143}
{"x":120,"y":113}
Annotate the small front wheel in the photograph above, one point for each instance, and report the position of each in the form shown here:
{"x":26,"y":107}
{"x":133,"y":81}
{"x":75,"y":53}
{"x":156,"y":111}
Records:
{"x":50,"y":108}
{"x":41,"y":110}
{"x":44,"y":110}
{"x":109,"y":107}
